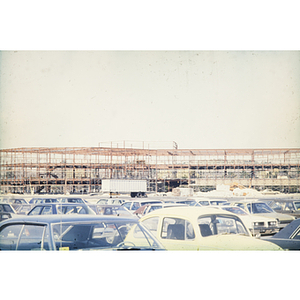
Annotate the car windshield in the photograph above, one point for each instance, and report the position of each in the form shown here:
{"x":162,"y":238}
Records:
{"x":221,"y":224}
{"x":297,"y":205}
{"x":235,"y":210}
{"x":260,"y":208}
{"x":118,"y":235}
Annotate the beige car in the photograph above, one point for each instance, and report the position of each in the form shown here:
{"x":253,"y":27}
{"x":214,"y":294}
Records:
{"x":258,"y":225}
{"x":261,"y":208}
{"x":201,"y":228}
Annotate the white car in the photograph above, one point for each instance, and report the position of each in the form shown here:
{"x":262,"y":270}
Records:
{"x":147,"y":208}
{"x":258,"y":225}
{"x":206,"y":201}
{"x":137,"y":203}
{"x":256,"y":207}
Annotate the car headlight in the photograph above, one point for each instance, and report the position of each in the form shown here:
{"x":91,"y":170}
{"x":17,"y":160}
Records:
{"x":273,"y":223}
{"x":258,"y":224}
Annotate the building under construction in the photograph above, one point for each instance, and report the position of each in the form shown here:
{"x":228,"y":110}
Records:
{"x":81,"y":170}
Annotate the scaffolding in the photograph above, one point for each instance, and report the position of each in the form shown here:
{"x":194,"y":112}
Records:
{"x":81,"y":169}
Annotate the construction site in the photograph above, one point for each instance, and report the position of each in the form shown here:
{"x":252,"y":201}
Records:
{"x":81,"y":169}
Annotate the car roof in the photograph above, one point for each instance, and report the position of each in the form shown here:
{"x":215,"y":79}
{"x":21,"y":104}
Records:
{"x":187,"y":211}
{"x":65,"y":218}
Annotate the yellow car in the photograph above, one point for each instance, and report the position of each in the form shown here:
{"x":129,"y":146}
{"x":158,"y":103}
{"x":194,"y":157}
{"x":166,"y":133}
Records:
{"x":201,"y":228}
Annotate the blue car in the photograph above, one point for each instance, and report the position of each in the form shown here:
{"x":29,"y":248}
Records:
{"x":287,"y":238}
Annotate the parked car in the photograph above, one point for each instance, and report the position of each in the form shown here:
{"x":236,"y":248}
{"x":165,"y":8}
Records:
{"x":75,"y":232}
{"x":6,"y":207}
{"x":14,"y":201}
{"x":71,"y":200}
{"x":255,"y":223}
{"x":288,"y":238}
{"x":263,"y":209}
{"x":206,"y":202}
{"x":61,"y":208}
{"x":115,"y":210}
{"x":137,"y":203}
{"x":189,"y":202}
{"x":201,"y":228}
{"x":171,"y":199}
{"x":286,"y":206}
{"x":111,"y":201}
{"x":147,"y":208}
{"x":7,"y":211}
{"x":38,"y":200}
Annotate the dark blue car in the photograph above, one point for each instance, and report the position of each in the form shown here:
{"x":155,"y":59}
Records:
{"x":287,"y":238}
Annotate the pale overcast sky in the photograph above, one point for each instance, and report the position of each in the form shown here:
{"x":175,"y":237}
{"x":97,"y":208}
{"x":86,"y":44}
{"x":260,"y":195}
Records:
{"x":200,"y":99}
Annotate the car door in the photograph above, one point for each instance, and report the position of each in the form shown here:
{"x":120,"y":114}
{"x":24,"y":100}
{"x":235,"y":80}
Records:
{"x":24,"y":237}
{"x":174,"y":233}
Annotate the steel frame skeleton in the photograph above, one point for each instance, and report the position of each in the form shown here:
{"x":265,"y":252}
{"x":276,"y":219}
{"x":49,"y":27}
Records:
{"x":81,"y":169}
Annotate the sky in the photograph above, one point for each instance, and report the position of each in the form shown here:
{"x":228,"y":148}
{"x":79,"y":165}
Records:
{"x":199,"y":99}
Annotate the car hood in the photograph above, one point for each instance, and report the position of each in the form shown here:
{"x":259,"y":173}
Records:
{"x":237,"y":242}
{"x":257,"y":218}
{"x":279,"y":216}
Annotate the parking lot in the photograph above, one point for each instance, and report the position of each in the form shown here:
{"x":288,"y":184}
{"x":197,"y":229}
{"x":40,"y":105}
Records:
{"x":73,"y":222}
